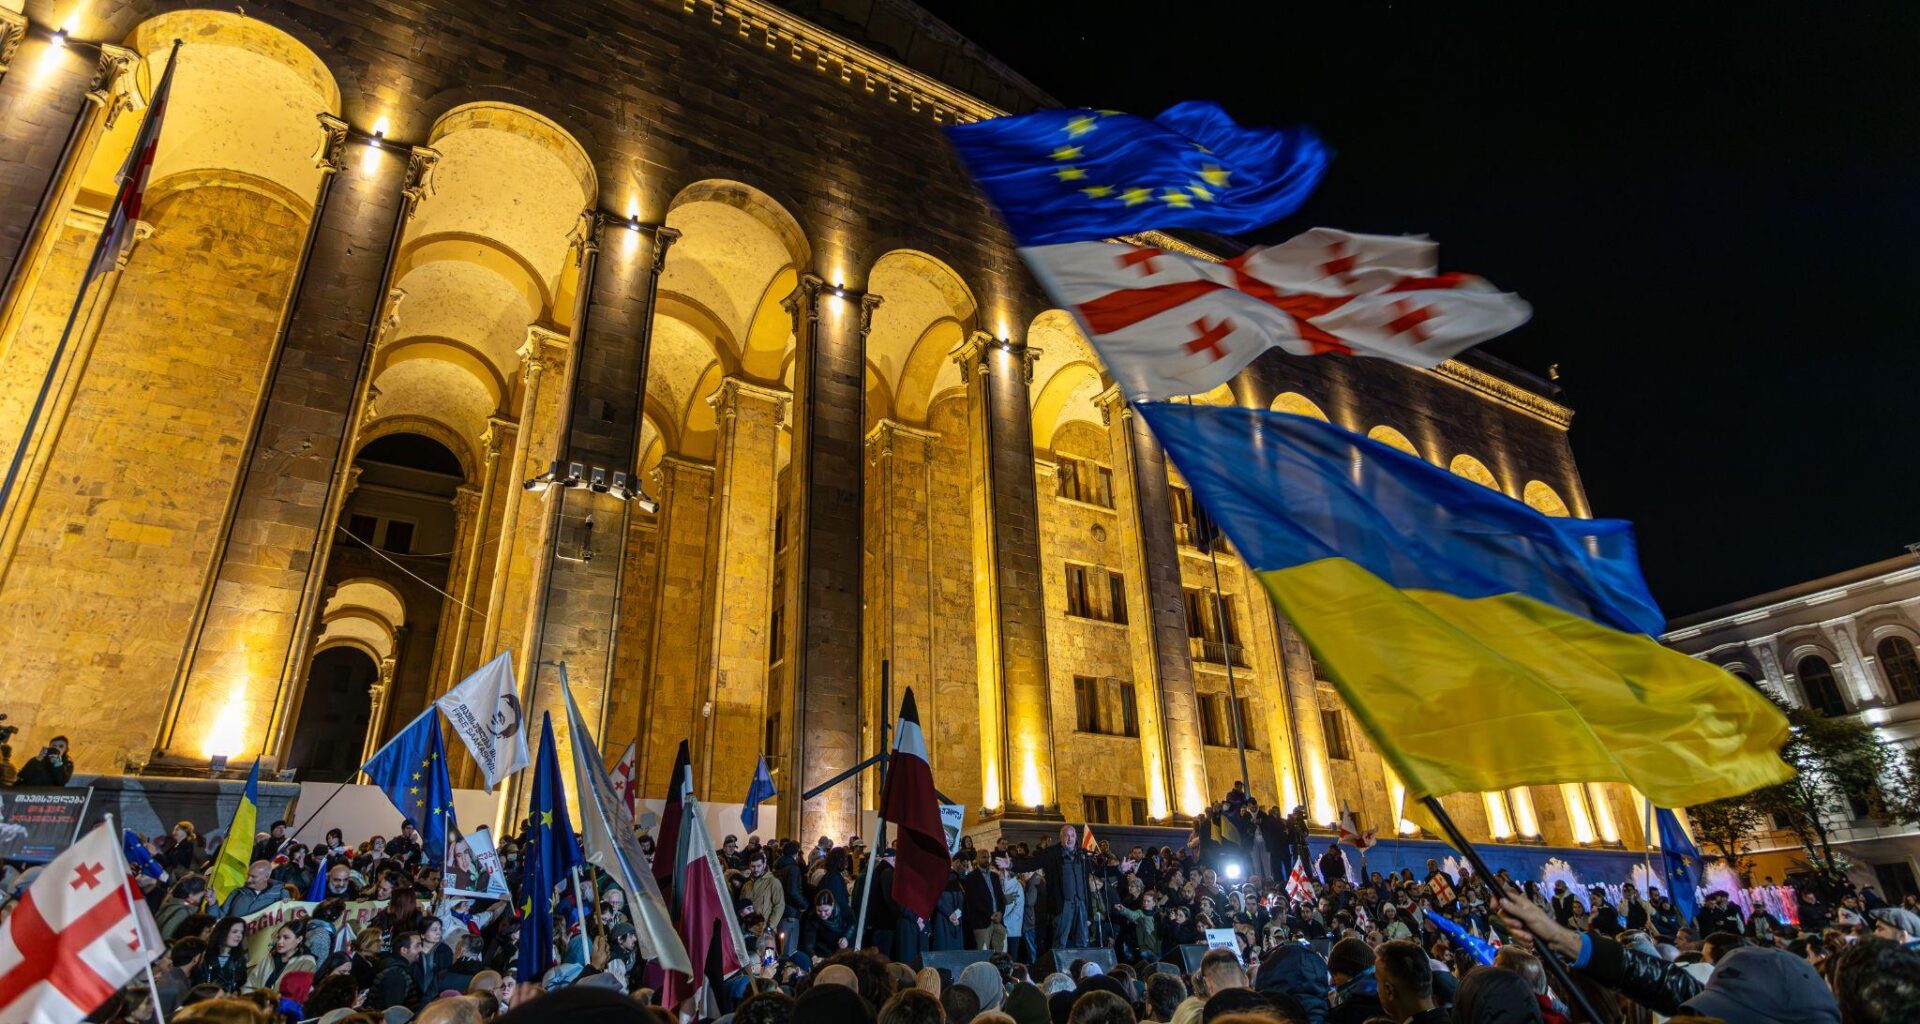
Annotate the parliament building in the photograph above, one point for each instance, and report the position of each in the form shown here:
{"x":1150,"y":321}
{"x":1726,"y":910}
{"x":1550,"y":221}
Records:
{"x":665,"y":340}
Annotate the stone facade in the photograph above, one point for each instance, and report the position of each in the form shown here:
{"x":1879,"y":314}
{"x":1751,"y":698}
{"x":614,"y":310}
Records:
{"x":735,"y":394}
{"x":1846,"y":645}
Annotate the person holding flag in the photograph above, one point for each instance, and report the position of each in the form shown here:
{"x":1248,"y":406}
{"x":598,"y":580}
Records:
{"x":485,"y":713}
{"x":547,"y":860}
{"x":909,"y":801}
{"x":77,"y":934}
{"x":1682,"y":862}
{"x":412,"y":771}
{"x":230,"y":867}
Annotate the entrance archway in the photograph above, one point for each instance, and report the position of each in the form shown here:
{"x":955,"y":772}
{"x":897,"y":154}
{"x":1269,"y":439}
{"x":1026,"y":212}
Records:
{"x":332,"y":727}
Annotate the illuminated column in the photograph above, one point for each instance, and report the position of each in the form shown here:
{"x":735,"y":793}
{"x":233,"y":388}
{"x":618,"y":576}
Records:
{"x":901,"y":595}
{"x":259,"y":605}
{"x":1170,"y":749}
{"x":378,"y":696}
{"x":513,"y":616}
{"x":1603,"y":822}
{"x":468,"y":502}
{"x":739,"y":608}
{"x":1016,"y":748}
{"x":829,"y":424}
{"x":680,"y":591}
{"x":481,"y":528}
{"x":1303,"y":695}
{"x":1865,"y":683}
{"x":1525,"y":822}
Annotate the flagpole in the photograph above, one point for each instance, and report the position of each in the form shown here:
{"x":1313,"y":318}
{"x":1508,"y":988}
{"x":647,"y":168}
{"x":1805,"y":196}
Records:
{"x":1556,"y":970}
{"x":107,"y":234}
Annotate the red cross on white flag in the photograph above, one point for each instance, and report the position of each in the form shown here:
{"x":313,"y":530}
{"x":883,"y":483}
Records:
{"x":623,"y":782}
{"x":1170,"y":324}
{"x":77,"y":936}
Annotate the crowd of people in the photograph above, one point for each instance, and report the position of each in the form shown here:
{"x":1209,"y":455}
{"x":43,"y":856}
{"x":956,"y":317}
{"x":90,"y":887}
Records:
{"x":1064,"y":931}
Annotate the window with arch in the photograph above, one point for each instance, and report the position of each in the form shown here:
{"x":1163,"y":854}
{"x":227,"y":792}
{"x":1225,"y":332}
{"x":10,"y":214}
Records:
{"x":1821,"y":688}
{"x":1474,"y":470}
{"x":1393,"y":439}
{"x":1544,"y":499}
{"x":1299,"y":405}
{"x":1902,"y":666}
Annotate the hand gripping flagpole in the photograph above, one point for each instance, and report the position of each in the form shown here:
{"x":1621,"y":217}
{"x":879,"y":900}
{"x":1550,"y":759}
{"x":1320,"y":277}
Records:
{"x":1548,"y":958}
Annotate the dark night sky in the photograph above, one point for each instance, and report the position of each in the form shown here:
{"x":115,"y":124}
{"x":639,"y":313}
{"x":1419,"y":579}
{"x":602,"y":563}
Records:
{"x":1713,"y":209}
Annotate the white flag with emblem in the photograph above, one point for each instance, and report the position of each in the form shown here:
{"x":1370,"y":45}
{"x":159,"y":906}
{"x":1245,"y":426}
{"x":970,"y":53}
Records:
{"x":1170,"y":324}
{"x":486,"y":714}
{"x":76,"y":937}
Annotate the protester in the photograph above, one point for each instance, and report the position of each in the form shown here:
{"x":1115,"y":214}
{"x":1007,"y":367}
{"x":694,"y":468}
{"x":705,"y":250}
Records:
{"x":51,"y":768}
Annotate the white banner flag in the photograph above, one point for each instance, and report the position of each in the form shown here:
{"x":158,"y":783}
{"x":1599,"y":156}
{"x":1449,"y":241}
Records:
{"x":75,"y":937}
{"x":486,"y":715}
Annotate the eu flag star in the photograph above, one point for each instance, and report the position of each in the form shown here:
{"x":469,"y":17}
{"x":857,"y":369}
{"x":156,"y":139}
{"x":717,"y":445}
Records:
{"x":413,"y":790}
{"x":1069,"y":174}
{"x":1176,"y":198}
{"x":1215,"y":175}
{"x":1201,"y":191}
{"x":1136,"y":196}
{"x":546,"y":819}
{"x":1079,"y":126}
{"x":1097,"y":191}
{"x":1067,"y":153}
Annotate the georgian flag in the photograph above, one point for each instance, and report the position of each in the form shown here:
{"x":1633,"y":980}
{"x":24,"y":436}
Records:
{"x":624,"y":783}
{"x":1299,"y":886}
{"x":910,"y":801}
{"x":1169,"y":324}
{"x":128,"y":201}
{"x":1350,"y":833}
{"x":77,"y":936}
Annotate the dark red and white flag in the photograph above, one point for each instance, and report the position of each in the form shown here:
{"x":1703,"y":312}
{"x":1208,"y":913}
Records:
{"x":705,"y":920}
{"x":76,"y":937}
{"x":669,"y":839}
{"x":913,"y":806}
{"x":1169,"y":324}
{"x":130,"y":200}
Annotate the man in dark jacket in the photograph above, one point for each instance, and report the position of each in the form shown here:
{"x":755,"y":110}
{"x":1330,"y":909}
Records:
{"x":1356,"y":988}
{"x":1333,"y":864}
{"x":1406,"y":983}
{"x":396,"y":979}
{"x":792,"y":875}
{"x":1298,"y":971}
{"x":1065,"y":868}
{"x":980,"y":907}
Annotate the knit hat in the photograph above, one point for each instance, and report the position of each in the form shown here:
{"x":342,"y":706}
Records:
{"x":1349,"y":957}
{"x":1026,"y":1005}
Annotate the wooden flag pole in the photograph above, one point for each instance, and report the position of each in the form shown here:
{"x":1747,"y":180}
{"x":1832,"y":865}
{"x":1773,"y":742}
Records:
{"x":1556,"y":970}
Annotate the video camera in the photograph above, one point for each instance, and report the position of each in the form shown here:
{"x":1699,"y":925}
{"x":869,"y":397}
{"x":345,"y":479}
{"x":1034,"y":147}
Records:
{"x":7,"y":732}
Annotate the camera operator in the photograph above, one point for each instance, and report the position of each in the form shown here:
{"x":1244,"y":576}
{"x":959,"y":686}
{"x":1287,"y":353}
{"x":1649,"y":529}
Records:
{"x":51,"y":768}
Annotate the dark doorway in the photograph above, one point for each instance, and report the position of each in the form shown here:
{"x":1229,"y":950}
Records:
{"x":333,"y":716}
{"x":1896,"y":881}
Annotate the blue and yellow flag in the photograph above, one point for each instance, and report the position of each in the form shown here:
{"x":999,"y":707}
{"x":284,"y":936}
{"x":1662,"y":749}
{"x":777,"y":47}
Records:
{"x":236,"y":850}
{"x":550,"y":854}
{"x":1482,"y":644}
{"x":412,"y":770}
{"x":1080,"y":175}
{"x":1682,"y":860}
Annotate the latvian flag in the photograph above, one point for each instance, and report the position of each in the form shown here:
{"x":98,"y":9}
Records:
{"x":920,"y":850}
{"x":669,"y":845}
{"x":705,"y":917}
{"x":1169,"y":324}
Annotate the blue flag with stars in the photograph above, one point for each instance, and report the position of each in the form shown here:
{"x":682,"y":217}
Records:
{"x":412,"y":770}
{"x":759,"y":790}
{"x":550,"y":853}
{"x":1482,"y":950}
{"x":1682,"y":861}
{"x":1082,"y":175}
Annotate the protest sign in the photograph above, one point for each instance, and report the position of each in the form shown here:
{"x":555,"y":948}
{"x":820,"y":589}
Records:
{"x":953,"y":818}
{"x":475,"y":868}
{"x":37,"y":823}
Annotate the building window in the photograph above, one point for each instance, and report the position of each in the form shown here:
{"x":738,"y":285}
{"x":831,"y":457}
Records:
{"x":1094,"y":809}
{"x":1085,"y":481}
{"x":780,"y":530}
{"x":1902,"y":666}
{"x":392,"y":535}
{"x":771,"y":743}
{"x":1096,"y":593}
{"x":1333,"y":726}
{"x":1104,"y":706}
{"x":1210,"y":637}
{"x":776,"y":636}
{"x":1181,"y":501}
{"x":1216,"y":720}
{"x":1138,"y":805}
{"x":1822,"y":690}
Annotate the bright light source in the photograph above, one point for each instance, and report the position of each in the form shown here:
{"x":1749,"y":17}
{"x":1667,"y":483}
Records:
{"x":60,"y":39}
{"x":380,"y":127}
{"x":1233,"y":871}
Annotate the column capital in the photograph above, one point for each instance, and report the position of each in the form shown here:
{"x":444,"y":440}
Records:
{"x":13,"y":28}
{"x":142,"y":230}
{"x":331,"y":156}
{"x":494,"y":439}
{"x":868,"y":303}
{"x":545,"y":350}
{"x":390,"y":317}
{"x":466,"y":502}
{"x":1111,"y":403}
{"x":112,"y":89}
{"x":369,"y":411}
{"x":419,"y":181}
{"x":585,"y":236}
{"x":663,"y":239}
{"x":804,"y":300}
{"x":973,"y":352}
{"x":880,"y":439}
{"x":726,"y":399}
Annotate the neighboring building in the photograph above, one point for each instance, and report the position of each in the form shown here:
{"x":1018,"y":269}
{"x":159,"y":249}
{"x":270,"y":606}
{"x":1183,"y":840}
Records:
{"x":1844,"y":645}
{"x":398,"y":258}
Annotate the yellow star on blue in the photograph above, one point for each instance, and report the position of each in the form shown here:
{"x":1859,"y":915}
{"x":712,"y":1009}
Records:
{"x":1080,"y":126}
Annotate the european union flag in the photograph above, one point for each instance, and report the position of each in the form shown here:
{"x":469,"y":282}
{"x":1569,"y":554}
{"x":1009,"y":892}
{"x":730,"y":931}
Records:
{"x":1682,"y":861}
{"x":550,"y":854}
{"x":1481,"y":949}
{"x":760,"y":789}
{"x":1080,"y":175}
{"x":412,"y":770}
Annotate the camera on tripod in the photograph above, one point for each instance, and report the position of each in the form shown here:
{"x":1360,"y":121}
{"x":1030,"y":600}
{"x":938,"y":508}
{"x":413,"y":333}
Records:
{"x":7,"y":731}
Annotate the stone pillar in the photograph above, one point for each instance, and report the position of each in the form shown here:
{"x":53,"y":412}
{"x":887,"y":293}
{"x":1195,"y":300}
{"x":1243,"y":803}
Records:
{"x":738,"y":610}
{"x":1009,"y":606}
{"x":1863,"y":681}
{"x":1303,"y":694}
{"x":830,"y":332}
{"x":513,"y":611}
{"x":468,"y":501}
{"x":1157,"y":655}
{"x":379,"y":695}
{"x":670,"y":699}
{"x":465,"y":576}
{"x":1770,"y":667}
{"x":249,"y":639}
{"x":900,"y":599}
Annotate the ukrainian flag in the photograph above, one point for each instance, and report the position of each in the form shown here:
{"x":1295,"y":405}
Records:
{"x":236,"y":850}
{"x":1482,"y":644}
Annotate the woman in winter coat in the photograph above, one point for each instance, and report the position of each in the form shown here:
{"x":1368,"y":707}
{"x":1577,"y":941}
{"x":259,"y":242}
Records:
{"x":225,"y":962}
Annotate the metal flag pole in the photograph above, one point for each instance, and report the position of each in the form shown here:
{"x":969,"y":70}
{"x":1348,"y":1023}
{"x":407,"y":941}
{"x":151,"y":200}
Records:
{"x":153,"y":988}
{"x":880,"y":828}
{"x":1556,"y":970}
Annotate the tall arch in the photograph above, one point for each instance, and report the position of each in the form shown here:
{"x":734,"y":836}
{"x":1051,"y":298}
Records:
{"x":926,"y":313}
{"x":1820,"y":685}
{"x":1299,"y":405}
{"x":1067,"y":375}
{"x":1544,"y":499}
{"x":1393,"y":439}
{"x":1473,"y":469}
